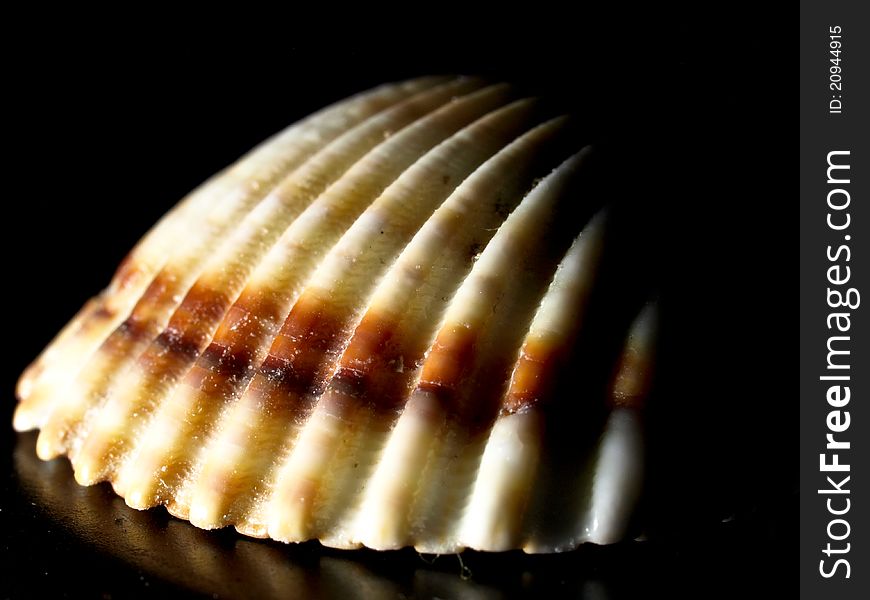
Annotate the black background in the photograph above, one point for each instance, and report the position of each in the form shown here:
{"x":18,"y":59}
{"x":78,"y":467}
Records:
{"x":698,"y":114}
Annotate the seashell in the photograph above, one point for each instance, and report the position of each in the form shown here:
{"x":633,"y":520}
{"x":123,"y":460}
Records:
{"x":360,"y":333}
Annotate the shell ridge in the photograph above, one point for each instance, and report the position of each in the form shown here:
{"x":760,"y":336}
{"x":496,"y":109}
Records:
{"x":618,"y":462}
{"x":498,"y":509}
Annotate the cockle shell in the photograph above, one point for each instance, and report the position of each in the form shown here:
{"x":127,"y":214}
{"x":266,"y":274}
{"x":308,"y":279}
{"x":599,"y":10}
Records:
{"x":359,"y":334}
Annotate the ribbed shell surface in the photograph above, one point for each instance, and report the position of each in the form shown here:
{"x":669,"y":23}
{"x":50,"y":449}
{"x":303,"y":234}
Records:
{"x":355,"y":333}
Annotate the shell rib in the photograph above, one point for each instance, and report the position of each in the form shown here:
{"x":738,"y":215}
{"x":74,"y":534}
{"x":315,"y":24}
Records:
{"x":357,"y":334}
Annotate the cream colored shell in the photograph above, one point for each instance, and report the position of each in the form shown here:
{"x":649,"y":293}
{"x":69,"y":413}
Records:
{"x":354,"y":334}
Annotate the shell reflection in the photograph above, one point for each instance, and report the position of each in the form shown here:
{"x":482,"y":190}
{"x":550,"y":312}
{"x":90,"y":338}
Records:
{"x":222,"y":564}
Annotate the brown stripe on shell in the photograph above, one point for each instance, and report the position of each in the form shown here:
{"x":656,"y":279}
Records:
{"x":474,"y":362}
{"x":166,"y":357}
{"x":303,"y":353}
{"x":142,"y":322}
{"x":184,"y":337}
{"x":632,"y":381}
{"x":632,"y":378}
{"x":379,"y":364}
{"x":210,"y":381}
{"x":228,"y":361}
{"x":104,"y":367}
{"x":449,"y":361}
{"x":299,"y":362}
{"x":223,"y":362}
{"x":533,"y":374}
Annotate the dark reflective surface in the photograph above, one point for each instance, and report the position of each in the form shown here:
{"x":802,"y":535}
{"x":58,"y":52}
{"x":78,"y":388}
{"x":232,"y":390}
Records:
{"x":87,"y":541}
{"x":233,"y":566}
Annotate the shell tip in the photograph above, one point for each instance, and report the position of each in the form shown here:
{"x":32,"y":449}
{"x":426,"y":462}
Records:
{"x":87,"y":473}
{"x":136,"y":497}
{"x":46,"y":447}
{"x":22,"y":419}
{"x":201,"y":515}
